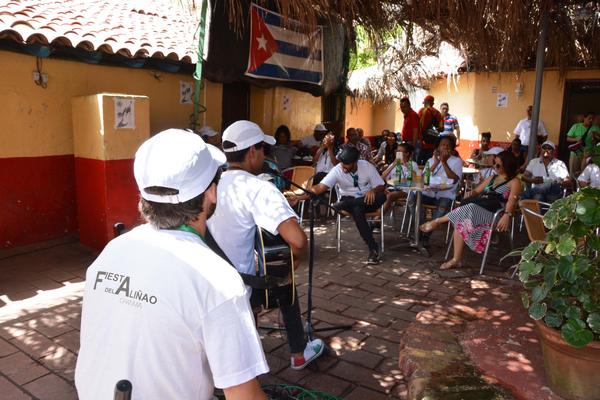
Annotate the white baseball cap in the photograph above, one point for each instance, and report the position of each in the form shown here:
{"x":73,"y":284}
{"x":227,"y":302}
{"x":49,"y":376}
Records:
{"x":494,"y":151}
{"x":549,"y":143}
{"x":245,"y":134}
{"x":320,"y":128}
{"x":176,"y":159}
{"x":207,"y":131}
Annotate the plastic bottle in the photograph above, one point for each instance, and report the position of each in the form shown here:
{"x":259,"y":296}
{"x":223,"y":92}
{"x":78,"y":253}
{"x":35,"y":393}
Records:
{"x":426,"y":175}
{"x":398,"y":167}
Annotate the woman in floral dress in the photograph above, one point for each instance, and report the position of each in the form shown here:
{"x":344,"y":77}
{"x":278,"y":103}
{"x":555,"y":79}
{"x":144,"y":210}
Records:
{"x":471,"y":221}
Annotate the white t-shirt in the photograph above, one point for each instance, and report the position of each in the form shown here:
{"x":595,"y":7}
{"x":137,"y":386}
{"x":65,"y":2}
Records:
{"x":310,"y":141}
{"x":591,"y":176}
{"x":324,"y":163}
{"x":163,"y":311}
{"x":366,"y":177}
{"x":556,"y":169}
{"x":456,"y":165}
{"x":523,"y":130}
{"x":243,"y":203}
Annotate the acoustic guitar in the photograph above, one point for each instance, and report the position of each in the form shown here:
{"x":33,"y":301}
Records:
{"x":273,"y":283}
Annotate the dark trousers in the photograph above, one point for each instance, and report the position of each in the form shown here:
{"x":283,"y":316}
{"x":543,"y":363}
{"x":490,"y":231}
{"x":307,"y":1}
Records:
{"x":422,"y":155}
{"x":293,"y":326}
{"x":547,"y":193}
{"x":357,"y":207}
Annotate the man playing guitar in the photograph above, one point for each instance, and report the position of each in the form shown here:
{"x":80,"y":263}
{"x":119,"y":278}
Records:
{"x":245,"y":202}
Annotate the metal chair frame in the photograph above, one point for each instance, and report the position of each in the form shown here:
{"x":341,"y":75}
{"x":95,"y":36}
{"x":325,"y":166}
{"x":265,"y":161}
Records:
{"x":306,"y":184}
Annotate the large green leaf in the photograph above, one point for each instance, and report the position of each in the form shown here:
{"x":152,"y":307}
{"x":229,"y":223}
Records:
{"x":579,"y":229}
{"x":567,"y":245}
{"x":588,"y":211}
{"x":537,"y":311}
{"x":553,"y":320}
{"x":550,"y":277}
{"x":593,"y":321}
{"x":531,"y":250}
{"x":566,"y":269}
{"x":575,"y":333}
{"x":539,"y":293}
{"x":594,"y":242}
{"x":573,"y":312}
{"x":551,"y":219}
{"x":559,"y":304}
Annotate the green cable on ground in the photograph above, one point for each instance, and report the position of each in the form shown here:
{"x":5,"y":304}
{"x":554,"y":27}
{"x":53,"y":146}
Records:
{"x":292,"y":392}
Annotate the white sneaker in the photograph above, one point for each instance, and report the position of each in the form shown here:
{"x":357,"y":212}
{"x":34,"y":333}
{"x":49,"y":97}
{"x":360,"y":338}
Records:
{"x":312,"y":351}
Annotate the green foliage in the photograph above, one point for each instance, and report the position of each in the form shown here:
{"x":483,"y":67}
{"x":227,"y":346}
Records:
{"x":562,"y":277}
{"x":363,"y":55}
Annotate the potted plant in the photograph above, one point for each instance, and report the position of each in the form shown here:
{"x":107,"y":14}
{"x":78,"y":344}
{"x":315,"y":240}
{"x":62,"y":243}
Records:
{"x":562,"y":281}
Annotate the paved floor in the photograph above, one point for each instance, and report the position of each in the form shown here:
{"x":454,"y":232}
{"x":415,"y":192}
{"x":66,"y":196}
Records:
{"x":40,"y":294}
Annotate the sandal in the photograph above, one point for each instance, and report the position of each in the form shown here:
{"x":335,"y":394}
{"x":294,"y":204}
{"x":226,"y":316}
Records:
{"x":429,"y":226}
{"x":451,"y":263}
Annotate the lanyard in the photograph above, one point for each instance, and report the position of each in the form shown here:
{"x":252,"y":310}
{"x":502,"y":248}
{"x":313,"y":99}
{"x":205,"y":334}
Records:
{"x":187,"y":228}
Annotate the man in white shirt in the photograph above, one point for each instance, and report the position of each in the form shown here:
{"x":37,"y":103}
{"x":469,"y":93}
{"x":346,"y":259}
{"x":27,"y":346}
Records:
{"x":246,"y":202}
{"x":523,"y":130}
{"x":314,"y":141}
{"x":361,"y":190}
{"x":547,"y":175}
{"x":161,"y":309}
{"x":445,"y":168}
{"x":590,"y":176}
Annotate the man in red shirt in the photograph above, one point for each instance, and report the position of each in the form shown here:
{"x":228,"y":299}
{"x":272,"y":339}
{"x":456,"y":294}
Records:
{"x":429,"y":117}
{"x":410,"y":128}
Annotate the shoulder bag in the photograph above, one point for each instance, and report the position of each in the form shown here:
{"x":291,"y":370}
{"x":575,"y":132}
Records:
{"x":489,"y":199}
{"x":575,"y":147}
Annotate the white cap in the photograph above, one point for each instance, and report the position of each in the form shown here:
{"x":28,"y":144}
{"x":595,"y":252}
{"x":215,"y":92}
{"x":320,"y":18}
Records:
{"x":549,"y":143}
{"x":208,"y":131}
{"x":494,"y":151}
{"x":245,"y":134}
{"x":176,"y":159}
{"x":320,"y":128}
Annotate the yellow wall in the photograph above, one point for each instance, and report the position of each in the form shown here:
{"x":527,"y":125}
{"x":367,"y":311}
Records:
{"x":359,"y":114}
{"x":471,"y":99}
{"x":38,"y":122}
{"x":276,"y":106}
{"x":94,"y":132}
{"x":373,"y":118}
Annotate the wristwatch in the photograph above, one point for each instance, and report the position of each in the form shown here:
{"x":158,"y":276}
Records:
{"x":509,"y":214}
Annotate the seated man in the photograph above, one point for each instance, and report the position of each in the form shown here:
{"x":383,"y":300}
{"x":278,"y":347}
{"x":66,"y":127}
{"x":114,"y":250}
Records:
{"x":313,"y":141}
{"x":486,"y":140}
{"x":548,"y":176}
{"x":159,"y":307}
{"x":591,"y":174}
{"x":361,"y":191}
{"x":445,"y":167}
{"x":353,"y":140}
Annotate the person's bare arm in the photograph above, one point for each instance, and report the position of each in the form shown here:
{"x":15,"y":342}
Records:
{"x":457,"y":135}
{"x":529,"y":178}
{"x":294,"y":236}
{"x":479,"y":189}
{"x":388,"y":170}
{"x":511,"y":205}
{"x":250,"y":390}
{"x":444,"y":157}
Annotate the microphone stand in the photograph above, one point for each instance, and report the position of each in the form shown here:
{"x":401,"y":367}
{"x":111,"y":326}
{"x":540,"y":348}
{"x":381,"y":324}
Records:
{"x":314,"y":201}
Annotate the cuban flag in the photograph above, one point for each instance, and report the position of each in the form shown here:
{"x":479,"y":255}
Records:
{"x":284,"y":49}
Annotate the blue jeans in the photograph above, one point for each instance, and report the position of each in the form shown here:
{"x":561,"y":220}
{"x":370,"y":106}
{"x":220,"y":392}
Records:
{"x":547,"y":193}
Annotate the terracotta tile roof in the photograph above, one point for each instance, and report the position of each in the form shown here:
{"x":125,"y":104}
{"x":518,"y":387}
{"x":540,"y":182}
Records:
{"x":134,"y":29}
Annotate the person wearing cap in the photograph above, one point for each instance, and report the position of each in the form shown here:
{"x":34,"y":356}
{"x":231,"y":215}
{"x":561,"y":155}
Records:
{"x":313,"y":141}
{"x":429,"y":118}
{"x":487,"y":169}
{"x":246,"y":202}
{"x":361,"y":191}
{"x":210,"y":136}
{"x":523,"y":130}
{"x":160,"y":308}
{"x":547,"y":175}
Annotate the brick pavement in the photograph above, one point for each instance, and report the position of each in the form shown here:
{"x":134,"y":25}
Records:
{"x":41,"y":302}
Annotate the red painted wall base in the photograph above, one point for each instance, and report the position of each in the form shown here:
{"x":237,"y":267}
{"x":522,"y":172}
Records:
{"x":37,"y":200}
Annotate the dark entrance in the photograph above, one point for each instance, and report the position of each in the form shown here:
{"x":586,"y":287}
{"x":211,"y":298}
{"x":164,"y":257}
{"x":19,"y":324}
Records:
{"x":236,"y":103}
{"x":580,"y":96}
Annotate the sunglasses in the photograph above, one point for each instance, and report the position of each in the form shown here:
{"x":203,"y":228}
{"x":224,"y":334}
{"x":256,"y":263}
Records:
{"x":497,"y":166}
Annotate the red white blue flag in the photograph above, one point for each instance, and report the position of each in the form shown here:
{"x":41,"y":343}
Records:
{"x":284,"y":49}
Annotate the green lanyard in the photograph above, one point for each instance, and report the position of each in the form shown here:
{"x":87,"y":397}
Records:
{"x":187,"y":228}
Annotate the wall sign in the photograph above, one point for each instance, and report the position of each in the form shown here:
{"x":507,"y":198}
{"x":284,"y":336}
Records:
{"x":186,"y":90}
{"x":502,"y":100}
{"x":124,"y":113}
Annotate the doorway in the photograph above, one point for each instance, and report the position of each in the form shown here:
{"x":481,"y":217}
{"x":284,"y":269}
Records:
{"x":236,"y":103}
{"x":580,"y":96}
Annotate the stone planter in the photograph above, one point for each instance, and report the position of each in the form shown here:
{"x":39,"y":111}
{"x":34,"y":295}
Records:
{"x":571,"y":373}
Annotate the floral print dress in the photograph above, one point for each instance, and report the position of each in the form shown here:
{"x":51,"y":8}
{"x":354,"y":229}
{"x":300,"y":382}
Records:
{"x":473,"y":222}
